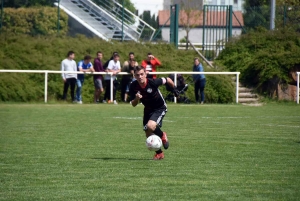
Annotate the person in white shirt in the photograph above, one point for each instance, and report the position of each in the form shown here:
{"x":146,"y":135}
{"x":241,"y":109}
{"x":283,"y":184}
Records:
{"x":114,"y":66}
{"x":69,"y":79}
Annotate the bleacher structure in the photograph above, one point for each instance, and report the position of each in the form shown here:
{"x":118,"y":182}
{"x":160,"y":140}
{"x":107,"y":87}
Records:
{"x":105,"y":20}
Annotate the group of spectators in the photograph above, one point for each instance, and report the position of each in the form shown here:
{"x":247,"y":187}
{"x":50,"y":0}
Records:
{"x":71,"y":80}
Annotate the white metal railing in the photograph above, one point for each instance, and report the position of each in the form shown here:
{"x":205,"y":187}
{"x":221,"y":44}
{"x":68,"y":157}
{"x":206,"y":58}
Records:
{"x":46,"y":72}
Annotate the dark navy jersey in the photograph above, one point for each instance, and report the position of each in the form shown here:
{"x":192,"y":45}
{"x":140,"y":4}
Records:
{"x":152,"y":98}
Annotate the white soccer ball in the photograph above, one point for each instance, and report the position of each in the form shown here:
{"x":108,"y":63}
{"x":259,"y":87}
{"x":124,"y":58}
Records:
{"x":153,"y":143}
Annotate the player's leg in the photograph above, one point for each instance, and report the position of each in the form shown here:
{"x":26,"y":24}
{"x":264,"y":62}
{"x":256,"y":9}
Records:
{"x":78,"y":90}
{"x":149,"y":131}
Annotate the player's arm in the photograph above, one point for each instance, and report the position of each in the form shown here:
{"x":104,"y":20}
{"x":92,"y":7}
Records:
{"x":170,"y":83}
{"x":136,"y":100}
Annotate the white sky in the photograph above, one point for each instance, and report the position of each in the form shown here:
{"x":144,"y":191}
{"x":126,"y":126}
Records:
{"x":153,"y":5}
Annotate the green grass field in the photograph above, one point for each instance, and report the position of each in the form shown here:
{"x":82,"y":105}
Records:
{"x":97,"y":152}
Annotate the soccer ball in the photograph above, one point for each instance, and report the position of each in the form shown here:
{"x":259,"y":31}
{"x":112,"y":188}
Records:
{"x":153,"y":143}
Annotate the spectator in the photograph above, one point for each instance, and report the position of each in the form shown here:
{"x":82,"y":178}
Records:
{"x":199,"y":80}
{"x":114,"y":67}
{"x":84,"y":65}
{"x":98,"y":67}
{"x":150,"y":65}
{"x":69,"y":79}
{"x":128,"y":67}
{"x":111,"y":58}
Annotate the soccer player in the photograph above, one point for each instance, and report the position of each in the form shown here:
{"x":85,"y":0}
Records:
{"x":146,"y":90}
{"x":84,"y":65}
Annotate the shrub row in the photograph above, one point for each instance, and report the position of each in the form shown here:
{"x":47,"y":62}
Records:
{"x":34,"y":21}
{"x":47,"y":52}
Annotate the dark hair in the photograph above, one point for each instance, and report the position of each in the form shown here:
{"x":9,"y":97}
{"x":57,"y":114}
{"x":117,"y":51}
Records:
{"x":116,"y":55}
{"x":149,"y":53}
{"x":130,"y":60}
{"x":99,"y":52}
{"x":70,"y":53}
{"x":138,"y":68}
{"x":196,"y":58}
{"x":131,"y":53}
{"x":87,"y":57}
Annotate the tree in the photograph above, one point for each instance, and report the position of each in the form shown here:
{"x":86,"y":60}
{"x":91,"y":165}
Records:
{"x":188,"y":16}
{"x":27,"y":3}
{"x":152,"y":21}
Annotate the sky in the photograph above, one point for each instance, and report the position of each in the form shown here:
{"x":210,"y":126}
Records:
{"x":153,"y":5}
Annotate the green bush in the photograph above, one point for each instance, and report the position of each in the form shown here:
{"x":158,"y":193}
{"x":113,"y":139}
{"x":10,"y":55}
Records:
{"x":34,"y":21}
{"x":47,"y":52}
{"x":263,"y":56}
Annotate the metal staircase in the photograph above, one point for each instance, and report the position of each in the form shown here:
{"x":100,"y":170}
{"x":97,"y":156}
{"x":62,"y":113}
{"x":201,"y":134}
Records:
{"x":105,"y":21}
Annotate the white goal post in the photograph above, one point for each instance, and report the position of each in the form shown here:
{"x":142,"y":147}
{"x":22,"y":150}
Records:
{"x":46,"y":72}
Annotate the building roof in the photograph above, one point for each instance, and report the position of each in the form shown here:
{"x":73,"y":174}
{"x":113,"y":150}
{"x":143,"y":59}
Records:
{"x":212,"y":18}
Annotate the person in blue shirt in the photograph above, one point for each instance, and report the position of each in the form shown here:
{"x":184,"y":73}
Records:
{"x":199,"y":80}
{"x":84,"y":65}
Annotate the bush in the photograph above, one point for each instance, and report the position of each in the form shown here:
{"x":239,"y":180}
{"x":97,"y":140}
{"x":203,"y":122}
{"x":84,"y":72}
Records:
{"x":34,"y":21}
{"x":263,"y":56}
{"x":47,"y":52}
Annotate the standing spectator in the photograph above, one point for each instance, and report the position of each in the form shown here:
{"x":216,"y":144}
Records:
{"x":150,"y":65}
{"x":114,"y":66}
{"x":84,"y":65}
{"x":98,"y":67}
{"x":128,"y":67}
{"x":199,"y":80}
{"x":69,"y":79}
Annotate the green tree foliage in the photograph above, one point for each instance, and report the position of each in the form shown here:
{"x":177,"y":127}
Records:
{"x":34,"y":21}
{"x":152,"y":21}
{"x":263,"y":56}
{"x":47,"y":52}
{"x":26,"y":3}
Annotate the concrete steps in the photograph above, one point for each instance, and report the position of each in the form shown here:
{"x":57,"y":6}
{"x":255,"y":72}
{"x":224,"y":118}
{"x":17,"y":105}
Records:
{"x":246,"y":95}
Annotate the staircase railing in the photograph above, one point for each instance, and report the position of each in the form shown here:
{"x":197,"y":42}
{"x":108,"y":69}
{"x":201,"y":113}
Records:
{"x":133,"y":24}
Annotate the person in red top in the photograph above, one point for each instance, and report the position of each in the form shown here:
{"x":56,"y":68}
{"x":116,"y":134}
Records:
{"x":150,"y":65}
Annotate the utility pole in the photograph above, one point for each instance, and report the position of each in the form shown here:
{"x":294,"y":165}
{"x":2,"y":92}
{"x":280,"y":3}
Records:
{"x":272,"y":14}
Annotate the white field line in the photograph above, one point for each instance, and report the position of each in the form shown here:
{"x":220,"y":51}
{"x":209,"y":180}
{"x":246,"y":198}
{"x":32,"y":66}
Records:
{"x":274,"y":125}
{"x":135,"y":118}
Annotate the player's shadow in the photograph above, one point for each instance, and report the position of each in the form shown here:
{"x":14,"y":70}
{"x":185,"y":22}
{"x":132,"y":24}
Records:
{"x":130,"y":159}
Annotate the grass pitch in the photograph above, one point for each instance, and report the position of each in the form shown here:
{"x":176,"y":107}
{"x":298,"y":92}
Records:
{"x":97,"y":152}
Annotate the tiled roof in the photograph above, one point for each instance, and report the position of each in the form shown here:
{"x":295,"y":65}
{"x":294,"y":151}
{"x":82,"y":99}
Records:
{"x":212,"y":18}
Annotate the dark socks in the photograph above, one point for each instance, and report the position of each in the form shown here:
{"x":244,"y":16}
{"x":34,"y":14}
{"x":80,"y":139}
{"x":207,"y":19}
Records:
{"x":158,"y":132}
{"x":159,"y":151}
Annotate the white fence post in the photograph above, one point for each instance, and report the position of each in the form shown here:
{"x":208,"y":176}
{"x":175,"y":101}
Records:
{"x":46,"y":86}
{"x":175,"y":83}
{"x":111,"y":87}
{"x":298,"y":74}
{"x":237,"y":88}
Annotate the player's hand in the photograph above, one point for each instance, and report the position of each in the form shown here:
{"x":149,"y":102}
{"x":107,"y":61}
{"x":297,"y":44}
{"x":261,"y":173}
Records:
{"x":138,"y":96}
{"x":176,"y":92}
{"x":64,"y":80}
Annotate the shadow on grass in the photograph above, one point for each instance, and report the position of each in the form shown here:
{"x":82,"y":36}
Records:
{"x":130,"y":159}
